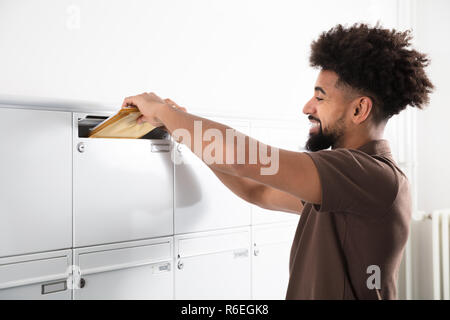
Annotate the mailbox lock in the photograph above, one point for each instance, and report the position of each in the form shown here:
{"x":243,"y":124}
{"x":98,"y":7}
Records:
{"x":256,"y":252}
{"x":81,"y":147}
{"x":180,"y":265}
{"x":82,"y":283}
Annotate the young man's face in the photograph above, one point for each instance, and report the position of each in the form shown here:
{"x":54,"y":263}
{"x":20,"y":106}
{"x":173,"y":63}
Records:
{"x":327,"y":111}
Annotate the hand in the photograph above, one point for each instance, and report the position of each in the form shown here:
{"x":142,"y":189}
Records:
{"x":149,"y":105}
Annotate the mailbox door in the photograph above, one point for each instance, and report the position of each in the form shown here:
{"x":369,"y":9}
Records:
{"x":133,"y":270}
{"x":43,"y":276}
{"x":123,"y":190}
{"x":35,"y":181}
{"x":202,"y":202}
{"x":213,"y":265}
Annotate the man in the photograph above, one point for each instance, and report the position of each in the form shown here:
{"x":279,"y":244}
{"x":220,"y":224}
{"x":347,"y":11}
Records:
{"x":354,"y":201}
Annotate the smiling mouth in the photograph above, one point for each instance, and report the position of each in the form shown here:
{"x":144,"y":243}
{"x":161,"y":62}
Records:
{"x":315,"y":125}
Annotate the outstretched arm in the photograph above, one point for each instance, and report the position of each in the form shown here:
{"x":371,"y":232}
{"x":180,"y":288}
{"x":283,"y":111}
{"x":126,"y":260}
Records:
{"x":259,"y":194}
{"x":296,"y":174}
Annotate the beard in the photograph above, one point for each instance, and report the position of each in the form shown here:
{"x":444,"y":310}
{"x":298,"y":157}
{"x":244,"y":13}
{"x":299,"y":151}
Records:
{"x":324,"y":140}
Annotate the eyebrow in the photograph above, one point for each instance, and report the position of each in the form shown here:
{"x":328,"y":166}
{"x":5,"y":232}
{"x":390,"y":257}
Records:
{"x":320,"y":89}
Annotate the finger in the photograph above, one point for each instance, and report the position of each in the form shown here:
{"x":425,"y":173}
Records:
{"x":157,"y":124}
{"x":129,"y":101}
{"x":140,"y":119}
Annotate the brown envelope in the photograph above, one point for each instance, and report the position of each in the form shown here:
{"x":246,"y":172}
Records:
{"x":122,"y":125}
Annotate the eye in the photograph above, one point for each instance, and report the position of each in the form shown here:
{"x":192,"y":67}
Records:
{"x":319,"y":99}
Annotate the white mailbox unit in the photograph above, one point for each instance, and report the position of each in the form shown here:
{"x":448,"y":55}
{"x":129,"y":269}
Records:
{"x":99,"y":215}
{"x":202,"y":202}
{"x":213,"y":265}
{"x":35,"y":181}
{"x":132,"y":270}
{"x":270,"y":266}
{"x":122,"y":188}
{"x":42,"y":276}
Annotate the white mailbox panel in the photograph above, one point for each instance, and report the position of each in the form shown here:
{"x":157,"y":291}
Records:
{"x":287,"y":135}
{"x":270,"y":266}
{"x":123,"y":189}
{"x":202,"y":202}
{"x":133,"y":270}
{"x":213,"y":265}
{"x":36,"y":276}
{"x":35,"y":181}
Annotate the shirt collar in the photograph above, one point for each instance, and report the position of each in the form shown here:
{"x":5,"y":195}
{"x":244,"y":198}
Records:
{"x":376,"y":147}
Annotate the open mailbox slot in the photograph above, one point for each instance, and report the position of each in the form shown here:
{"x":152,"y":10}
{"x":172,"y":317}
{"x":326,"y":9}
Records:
{"x":85,"y":123}
{"x":122,"y":188}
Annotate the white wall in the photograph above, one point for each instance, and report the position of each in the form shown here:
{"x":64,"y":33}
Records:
{"x":236,"y":57}
{"x":433,"y":129}
{"x":431,"y":23}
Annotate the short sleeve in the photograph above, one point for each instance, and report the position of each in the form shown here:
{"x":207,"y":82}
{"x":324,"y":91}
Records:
{"x":353,"y":181}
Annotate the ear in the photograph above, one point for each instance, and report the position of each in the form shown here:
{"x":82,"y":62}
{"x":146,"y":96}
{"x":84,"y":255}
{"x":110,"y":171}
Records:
{"x":361,"y":109}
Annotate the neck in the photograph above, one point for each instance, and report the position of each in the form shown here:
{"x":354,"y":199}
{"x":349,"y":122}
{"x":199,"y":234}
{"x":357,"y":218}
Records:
{"x":358,"y":138}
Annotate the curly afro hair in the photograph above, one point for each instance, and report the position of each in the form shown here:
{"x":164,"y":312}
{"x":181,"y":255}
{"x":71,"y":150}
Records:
{"x":375,"y":62}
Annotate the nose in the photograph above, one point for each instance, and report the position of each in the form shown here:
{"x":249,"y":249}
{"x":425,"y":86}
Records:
{"x":309,"y":107}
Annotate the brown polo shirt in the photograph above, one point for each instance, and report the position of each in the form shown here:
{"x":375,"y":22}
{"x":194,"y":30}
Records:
{"x":361,"y":225}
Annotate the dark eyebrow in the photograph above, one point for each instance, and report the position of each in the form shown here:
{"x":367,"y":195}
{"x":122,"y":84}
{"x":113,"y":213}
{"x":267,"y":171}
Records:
{"x":320,"y":89}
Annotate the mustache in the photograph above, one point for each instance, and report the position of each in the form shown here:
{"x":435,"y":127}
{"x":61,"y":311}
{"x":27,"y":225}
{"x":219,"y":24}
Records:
{"x":310,"y":117}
